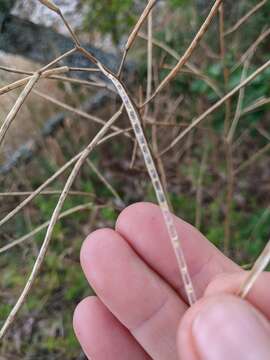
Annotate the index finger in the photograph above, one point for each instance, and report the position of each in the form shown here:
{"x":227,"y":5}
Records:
{"x":142,"y":225}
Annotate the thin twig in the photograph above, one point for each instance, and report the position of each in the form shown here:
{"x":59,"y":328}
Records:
{"x":43,"y":226}
{"x":238,"y":111}
{"x":17,"y":84}
{"x":189,"y":50}
{"x":252,"y":48}
{"x":18,"y":104}
{"x":105,"y":182}
{"x":259,"y":266}
{"x":257,"y":104}
{"x":75,"y":111}
{"x":193,"y":69}
{"x":196,"y":121}
{"x":48,"y":192}
{"x":246,"y":17}
{"x":133,"y":35}
{"x":252,"y":159}
{"x":199,"y":190}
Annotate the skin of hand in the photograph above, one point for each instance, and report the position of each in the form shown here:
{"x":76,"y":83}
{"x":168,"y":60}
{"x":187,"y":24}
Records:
{"x":141,"y":312}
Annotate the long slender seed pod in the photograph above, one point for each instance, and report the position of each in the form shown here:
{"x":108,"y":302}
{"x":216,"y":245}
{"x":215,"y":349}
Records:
{"x":50,"y":5}
{"x":189,"y":50}
{"x":134,"y":32}
{"x":135,"y":120}
{"x":257,"y":269}
{"x":18,"y":104}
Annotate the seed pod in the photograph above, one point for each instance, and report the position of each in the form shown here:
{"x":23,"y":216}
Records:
{"x":50,"y":5}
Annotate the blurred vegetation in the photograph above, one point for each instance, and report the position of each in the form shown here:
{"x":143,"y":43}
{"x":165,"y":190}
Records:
{"x":44,"y":327}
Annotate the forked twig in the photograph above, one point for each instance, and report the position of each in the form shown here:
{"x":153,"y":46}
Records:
{"x":21,"y":82}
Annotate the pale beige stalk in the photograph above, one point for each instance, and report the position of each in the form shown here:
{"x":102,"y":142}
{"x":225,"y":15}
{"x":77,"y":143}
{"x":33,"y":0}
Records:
{"x":246,"y":17}
{"x":44,"y":225}
{"x":189,"y":50}
{"x":196,"y":121}
{"x":18,"y":104}
{"x":259,"y":266}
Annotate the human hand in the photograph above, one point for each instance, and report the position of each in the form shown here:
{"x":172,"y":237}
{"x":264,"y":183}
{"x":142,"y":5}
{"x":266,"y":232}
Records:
{"x":141,"y":311}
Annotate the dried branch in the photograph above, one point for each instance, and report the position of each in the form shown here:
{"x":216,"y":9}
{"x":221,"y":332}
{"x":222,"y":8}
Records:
{"x":18,"y":104}
{"x":196,"y":121}
{"x":136,"y":29}
{"x":246,"y":17}
{"x":189,"y":50}
{"x":252,"y":159}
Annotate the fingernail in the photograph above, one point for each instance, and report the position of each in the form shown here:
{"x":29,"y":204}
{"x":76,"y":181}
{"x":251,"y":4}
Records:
{"x":231,"y":329}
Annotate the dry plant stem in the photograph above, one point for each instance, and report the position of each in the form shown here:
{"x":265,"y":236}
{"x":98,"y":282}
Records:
{"x":133,"y":35}
{"x":49,"y":192}
{"x":253,"y":158}
{"x":55,"y":61}
{"x":43,"y":226}
{"x":258,"y":103}
{"x":196,"y":121}
{"x":247,"y":16}
{"x":199,"y":191}
{"x":135,"y":120}
{"x":52,"y":6}
{"x":25,"y":72}
{"x":80,"y":82}
{"x":60,"y":171}
{"x":259,"y":266}
{"x":149,"y":56}
{"x":189,"y":50}
{"x":134,"y":153}
{"x":225,"y":69}
{"x":39,"y":261}
{"x":191,"y":67}
{"x":73,"y":110}
{"x":104,"y":181}
{"x":228,"y":145}
{"x":16,"y":71}
{"x":21,"y":99}
{"x":229,"y":197}
{"x":21,"y":82}
{"x":18,"y":104}
{"x":238,"y":111}
{"x":252,"y":48}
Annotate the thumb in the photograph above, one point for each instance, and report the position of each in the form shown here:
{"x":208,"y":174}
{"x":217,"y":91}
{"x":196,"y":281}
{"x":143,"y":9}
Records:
{"x":224,"y":327}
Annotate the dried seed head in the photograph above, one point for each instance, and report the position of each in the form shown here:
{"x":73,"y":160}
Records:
{"x":50,"y":5}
